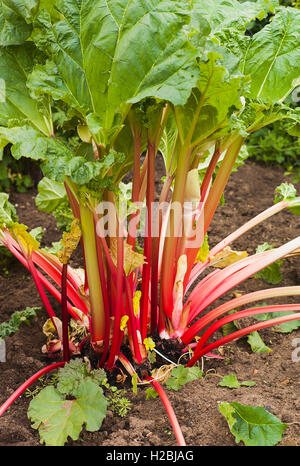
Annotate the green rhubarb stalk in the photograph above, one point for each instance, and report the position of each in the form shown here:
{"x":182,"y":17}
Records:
{"x":221,"y":180}
{"x":93,"y":275}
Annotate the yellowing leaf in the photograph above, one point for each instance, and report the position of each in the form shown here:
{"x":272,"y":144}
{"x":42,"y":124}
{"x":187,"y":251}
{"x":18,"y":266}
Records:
{"x":163,"y":373}
{"x":227,"y":257}
{"x":132,"y":259}
{"x":49,"y":329}
{"x":70,"y":242}
{"x":203,"y":252}
{"x":149,"y":344}
{"x":136,"y":302}
{"x":25,"y":240}
{"x":123,"y":322}
{"x":84,"y":133}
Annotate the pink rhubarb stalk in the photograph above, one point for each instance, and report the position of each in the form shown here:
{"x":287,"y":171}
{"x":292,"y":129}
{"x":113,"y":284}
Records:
{"x":235,"y":303}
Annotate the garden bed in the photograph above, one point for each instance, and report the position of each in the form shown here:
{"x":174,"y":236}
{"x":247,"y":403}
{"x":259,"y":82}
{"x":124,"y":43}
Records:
{"x":276,"y":376}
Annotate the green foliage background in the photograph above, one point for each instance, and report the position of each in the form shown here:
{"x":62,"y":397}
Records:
{"x":273,"y":145}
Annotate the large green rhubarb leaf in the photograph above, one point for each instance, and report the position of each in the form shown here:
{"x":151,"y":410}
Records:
{"x":110,"y":54}
{"x":273,"y":57}
{"x":208,"y":107}
{"x":57,"y":418}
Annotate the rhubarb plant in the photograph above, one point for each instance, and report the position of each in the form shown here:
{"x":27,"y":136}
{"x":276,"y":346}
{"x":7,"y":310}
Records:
{"x":176,"y":78}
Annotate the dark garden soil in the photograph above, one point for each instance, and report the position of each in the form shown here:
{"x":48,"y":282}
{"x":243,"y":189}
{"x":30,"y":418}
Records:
{"x":196,"y":404}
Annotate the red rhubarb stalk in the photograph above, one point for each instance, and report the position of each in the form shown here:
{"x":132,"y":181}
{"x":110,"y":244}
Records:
{"x":64,"y":312}
{"x":117,"y":335}
{"x":170,"y":411}
{"x":245,"y":313}
{"x":27,"y":384}
{"x":240,"y":333}
{"x":146,"y":275}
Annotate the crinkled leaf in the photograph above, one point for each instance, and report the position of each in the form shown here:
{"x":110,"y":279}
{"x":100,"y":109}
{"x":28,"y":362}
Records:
{"x":227,"y":257}
{"x":70,"y":241}
{"x":57,"y":419}
{"x":178,"y":378}
{"x":74,"y":373}
{"x":229,"y":328}
{"x":194,"y":373}
{"x":63,"y":215}
{"x":252,"y":425}
{"x":15,"y":19}
{"x":287,"y":327}
{"x":77,"y":168}
{"x":55,"y":248}
{"x":16,"y":104}
{"x":271,"y":274}
{"x":149,"y":344}
{"x":123,"y":322}
{"x":61,"y":42}
{"x":49,"y":5}
{"x":57,"y":159}
{"x":230,"y":381}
